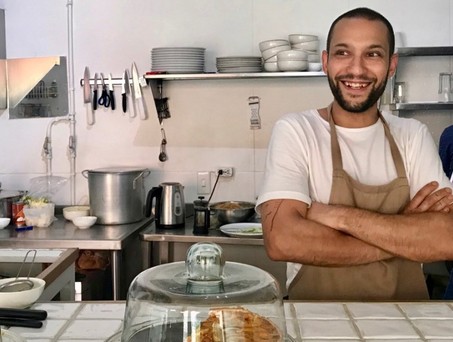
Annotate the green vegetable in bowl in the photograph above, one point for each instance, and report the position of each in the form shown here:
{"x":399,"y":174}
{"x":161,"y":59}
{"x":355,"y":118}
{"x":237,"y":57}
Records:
{"x":35,"y":202}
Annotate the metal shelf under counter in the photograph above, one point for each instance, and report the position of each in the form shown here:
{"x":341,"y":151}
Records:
{"x":426,"y":105}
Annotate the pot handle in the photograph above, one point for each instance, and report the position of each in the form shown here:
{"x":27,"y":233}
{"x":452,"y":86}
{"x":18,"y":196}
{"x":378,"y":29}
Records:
{"x":85,"y":173}
{"x":144,"y":173}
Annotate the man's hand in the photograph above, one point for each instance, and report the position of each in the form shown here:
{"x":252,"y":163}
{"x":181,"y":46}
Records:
{"x":430,"y":199}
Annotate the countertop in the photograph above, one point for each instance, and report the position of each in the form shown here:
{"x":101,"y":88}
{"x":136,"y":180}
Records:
{"x":306,"y":321}
{"x":64,"y":234}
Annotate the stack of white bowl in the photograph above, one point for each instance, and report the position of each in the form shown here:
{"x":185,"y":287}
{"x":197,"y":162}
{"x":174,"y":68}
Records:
{"x":269,"y":50}
{"x":310,"y":44}
{"x":292,"y":60}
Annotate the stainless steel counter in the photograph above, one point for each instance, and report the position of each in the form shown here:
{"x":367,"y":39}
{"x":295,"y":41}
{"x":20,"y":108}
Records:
{"x":64,"y":234}
{"x":161,"y":241}
{"x":161,"y":246}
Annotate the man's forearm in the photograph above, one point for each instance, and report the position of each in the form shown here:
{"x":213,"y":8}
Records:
{"x":421,"y":237}
{"x":288,"y":236}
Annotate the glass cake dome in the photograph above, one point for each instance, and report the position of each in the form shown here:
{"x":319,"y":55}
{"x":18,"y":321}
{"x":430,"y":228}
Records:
{"x":204,"y":299}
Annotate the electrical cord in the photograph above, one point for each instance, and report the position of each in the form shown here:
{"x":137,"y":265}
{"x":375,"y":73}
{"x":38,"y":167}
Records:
{"x":219,"y":173}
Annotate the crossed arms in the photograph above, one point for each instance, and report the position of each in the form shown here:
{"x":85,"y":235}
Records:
{"x":334,"y":235}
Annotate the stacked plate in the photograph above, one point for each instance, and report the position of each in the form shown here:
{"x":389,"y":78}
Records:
{"x":244,"y":64}
{"x":175,"y":60}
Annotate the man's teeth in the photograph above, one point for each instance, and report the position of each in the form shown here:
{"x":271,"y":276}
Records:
{"x":355,"y":85}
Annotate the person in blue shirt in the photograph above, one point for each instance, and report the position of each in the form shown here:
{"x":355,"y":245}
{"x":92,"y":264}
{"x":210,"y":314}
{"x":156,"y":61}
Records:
{"x":446,"y":150}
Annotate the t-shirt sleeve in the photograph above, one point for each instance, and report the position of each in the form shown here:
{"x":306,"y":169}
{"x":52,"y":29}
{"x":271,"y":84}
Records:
{"x":286,"y":174}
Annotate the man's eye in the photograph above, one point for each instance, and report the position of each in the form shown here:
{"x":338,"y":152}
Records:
{"x":341,"y":53}
{"x":374,"y":54}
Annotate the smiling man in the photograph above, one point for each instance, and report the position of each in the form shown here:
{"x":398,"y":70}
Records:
{"x":355,"y":199}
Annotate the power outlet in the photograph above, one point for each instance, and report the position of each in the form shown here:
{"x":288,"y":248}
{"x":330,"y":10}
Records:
{"x":203,"y":183}
{"x":226,"y":171}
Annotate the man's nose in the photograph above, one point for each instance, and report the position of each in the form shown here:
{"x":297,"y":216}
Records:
{"x":356,"y":65}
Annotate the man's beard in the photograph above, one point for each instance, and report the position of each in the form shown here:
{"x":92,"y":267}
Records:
{"x":372,"y":98}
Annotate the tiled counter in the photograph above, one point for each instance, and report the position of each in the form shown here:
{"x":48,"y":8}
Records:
{"x":327,"y":322}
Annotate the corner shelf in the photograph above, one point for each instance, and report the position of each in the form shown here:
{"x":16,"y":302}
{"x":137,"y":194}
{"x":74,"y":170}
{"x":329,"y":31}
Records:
{"x":422,"y":52}
{"x":427,"y":105}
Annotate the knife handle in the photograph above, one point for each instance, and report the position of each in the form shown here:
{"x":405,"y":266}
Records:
{"x":23,"y":313}
{"x":112,"y":100}
{"x":124,"y":96}
{"x":95,"y":99}
{"x":26,"y":323}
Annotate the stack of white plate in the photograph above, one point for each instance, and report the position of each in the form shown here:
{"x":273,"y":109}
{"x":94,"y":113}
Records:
{"x":175,"y":60}
{"x":244,"y":64}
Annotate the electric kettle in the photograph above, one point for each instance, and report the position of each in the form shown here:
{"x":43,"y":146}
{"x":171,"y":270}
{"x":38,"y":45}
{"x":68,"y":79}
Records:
{"x":169,"y":205}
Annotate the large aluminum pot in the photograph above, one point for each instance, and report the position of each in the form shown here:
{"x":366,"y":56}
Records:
{"x":7,"y":198}
{"x":117,"y":194}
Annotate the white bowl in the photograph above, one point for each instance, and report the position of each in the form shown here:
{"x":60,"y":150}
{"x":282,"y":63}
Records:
{"x":297,"y":38}
{"x":4,"y":221}
{"x":271,"y":67}
{"x":272,"y":59}
{"x":313,"y":57}
{"x":84,"y":222}
{"x":70,"y":213}
{"x":273,"y":51}
{"x":21,"y":299}
{"x":312,"y":46}
{"x":268,"y":44}
{"x":314,"y":66}
{"x":292,"y":65}
{"x":292,"y":55}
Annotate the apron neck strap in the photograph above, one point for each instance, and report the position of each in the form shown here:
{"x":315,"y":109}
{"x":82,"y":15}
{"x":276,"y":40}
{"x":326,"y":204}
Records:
{"x":336,"y":151}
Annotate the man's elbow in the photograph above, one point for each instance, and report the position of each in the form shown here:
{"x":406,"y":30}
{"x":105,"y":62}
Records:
{"x":275,"y":249}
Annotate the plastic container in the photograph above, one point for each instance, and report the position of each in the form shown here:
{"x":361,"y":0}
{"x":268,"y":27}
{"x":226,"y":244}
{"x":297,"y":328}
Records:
{"x":41,"y":216}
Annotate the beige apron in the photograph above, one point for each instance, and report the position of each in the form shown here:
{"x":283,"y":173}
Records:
{"x":391,"y":279}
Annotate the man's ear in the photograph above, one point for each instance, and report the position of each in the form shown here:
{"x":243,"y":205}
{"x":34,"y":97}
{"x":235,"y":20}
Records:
{"x":393,"y":65}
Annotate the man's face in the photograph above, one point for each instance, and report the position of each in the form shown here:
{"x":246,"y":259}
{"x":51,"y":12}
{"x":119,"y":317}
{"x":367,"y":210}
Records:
{"x":358,"y":63}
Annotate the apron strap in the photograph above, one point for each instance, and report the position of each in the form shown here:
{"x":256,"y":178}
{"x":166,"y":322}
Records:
{"x":336,"y":151}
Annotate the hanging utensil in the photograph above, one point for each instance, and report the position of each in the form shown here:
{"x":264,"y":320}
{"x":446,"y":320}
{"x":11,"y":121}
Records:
{"x":18,"y":285}
{"x":111,"y":93}
{"x":104,"y":100}
{"x":87,"y":96}
{"x":137,"y":93}
{"x":95,"y":92}
{"x":125,"y":90}
{"x":163,"y":152}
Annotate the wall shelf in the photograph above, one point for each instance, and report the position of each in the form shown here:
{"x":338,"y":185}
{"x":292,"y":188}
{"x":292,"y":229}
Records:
{"x":156,"y":82}
{"x":222,"y":76}
{"x":427,"y":105}
{"x":421,"y":52}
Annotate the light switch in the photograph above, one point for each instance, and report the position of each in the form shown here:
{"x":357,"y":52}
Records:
{"x":204,"y":182}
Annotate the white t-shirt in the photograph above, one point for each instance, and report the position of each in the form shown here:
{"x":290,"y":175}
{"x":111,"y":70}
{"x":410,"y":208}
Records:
{"x":299,"y":161}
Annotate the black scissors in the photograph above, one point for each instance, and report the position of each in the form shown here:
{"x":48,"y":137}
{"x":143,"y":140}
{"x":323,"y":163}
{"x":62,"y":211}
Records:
{"x":104,"y":99}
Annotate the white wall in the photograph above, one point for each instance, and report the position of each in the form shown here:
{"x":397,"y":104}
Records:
{"x":209,"y":126}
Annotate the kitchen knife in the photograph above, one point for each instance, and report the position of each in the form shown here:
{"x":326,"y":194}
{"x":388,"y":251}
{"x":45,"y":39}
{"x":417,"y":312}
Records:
{"x":95,"y":92}
{"x":124,"y":90}
{"x":137,"y":93}
{"x":111,"y":93}
{"x":86,"y":86}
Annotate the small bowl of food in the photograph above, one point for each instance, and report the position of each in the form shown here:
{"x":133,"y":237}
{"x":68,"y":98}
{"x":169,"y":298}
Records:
{"x":4,"y":222}
{"x":72,"y":212}
{"x":232,"y":211}
{"x":84,"y":222}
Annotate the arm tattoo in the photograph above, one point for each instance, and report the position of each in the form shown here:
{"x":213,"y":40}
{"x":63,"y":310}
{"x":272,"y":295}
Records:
{"x":271,"y":210}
